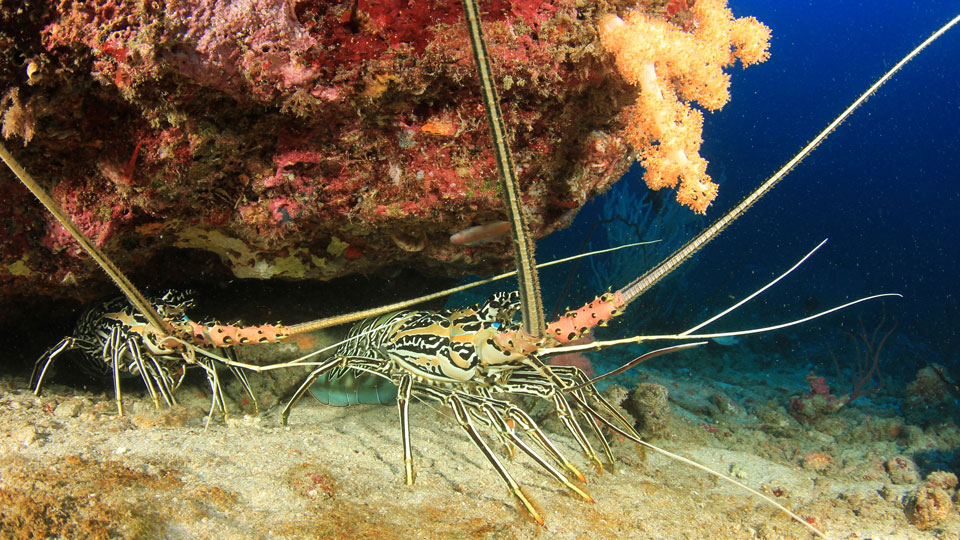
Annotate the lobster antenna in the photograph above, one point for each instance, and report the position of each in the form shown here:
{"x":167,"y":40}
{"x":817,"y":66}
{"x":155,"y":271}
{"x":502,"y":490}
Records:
{"x":727,"y":478}
{"x":640,"y":285}
{"x":135,"y":296}
{"x":357,"y":315}
{"x":533,"y":318}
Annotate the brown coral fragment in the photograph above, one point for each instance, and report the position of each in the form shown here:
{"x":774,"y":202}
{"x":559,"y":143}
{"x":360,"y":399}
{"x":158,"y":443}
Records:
{"x":929,"y":506}
{"x":17,"y":119}
{"x":649,"y":403}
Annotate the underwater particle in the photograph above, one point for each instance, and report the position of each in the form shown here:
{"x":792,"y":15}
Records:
{"x":442,"y":126}
{"x":928,"y":507}
{"x":68,"y":409}
{"x":406,"y":139}
{"x":26,"y":435}
{"x":19,"y":268}
{"x":16,"y":118}
{"x":814,"y":406}
{"x":889,"y":494}
{"x":650,"y":405}
{"x":312,"y":481}
{"x":946,"y":481}
{"x":725,"y":405}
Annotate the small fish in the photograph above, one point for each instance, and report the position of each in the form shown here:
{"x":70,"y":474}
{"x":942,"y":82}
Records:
{"x":727,"y":341}
{"x":480,"y":234}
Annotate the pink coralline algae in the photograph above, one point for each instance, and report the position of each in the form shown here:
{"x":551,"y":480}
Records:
{"x":301,"y":140}
{"x":811,"y":407}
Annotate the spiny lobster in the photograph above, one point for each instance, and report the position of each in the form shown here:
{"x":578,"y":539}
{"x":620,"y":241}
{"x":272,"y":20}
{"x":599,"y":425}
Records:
{"x":465,"y":358}
{"x":116,"y":341}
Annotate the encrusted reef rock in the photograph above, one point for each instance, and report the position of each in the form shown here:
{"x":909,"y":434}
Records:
{"x":902,"y":470}
{"x":931,"y":504}
{"x":649,"y":404}
{"x":292,"y":139}
{"x":931,"y":397}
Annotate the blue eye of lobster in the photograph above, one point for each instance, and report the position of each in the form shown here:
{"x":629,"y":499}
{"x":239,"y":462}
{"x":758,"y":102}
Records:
{"x":496,"y":326}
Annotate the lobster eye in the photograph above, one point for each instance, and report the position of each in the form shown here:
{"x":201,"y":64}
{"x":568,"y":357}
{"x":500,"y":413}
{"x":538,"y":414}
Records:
{"x":496,"y":325}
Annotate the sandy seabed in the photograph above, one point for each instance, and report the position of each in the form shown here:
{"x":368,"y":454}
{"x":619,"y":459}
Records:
{"x":71,"y":468}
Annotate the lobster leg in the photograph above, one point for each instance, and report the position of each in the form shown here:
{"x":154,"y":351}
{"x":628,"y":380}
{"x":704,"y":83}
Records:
{"x":543,"y":383}
{"x":111,"y":357}
{"x":569,"y":420}
{"x":242,"y":377}
{"x":591,"y":416}
{"x":498,"y":415}
{"x":217,"y":401}
{"x":604,"y":443}
{"x":36,"y":377}
{"x":521,"y":418}
{"x":165,"y":385}
{"x":130,"y":347}
{"x":463,"y":418}
{"x":403,"y":401}
{"x":491,"y":407}
{"x":576,"y":377}
{"x":314,"y":375}
{"x":530,"y":382}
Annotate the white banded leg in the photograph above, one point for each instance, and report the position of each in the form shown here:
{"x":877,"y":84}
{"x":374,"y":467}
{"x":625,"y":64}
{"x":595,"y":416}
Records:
{"x":533,"y":382}
{"x":165,"y":383}
{"x":326,"y":366}
{"x":128,"y":346}
{"x":44,"y":362}
{"x":109,"y":356}
{"x":403,"y":402}
{"x":463,"y":418}
{"x":492,"y":409}
{"x":527,"y":424}
{"x":217,"y":400}
{"x":242,"y":377}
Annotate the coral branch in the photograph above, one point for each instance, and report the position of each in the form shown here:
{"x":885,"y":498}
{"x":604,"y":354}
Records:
{"x":673,"y":67}
{"x":866,"y":377}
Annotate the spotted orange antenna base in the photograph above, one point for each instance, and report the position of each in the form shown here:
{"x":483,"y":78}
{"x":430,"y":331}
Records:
{"x":223,"y":335}
{"x":575,"y":323}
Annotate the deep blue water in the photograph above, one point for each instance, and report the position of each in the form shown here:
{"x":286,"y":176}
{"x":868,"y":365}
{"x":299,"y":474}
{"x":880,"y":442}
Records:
{"x":884,"y":188}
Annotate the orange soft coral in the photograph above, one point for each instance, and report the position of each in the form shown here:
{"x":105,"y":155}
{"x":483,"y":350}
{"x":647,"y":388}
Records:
{"x":670,"y":65}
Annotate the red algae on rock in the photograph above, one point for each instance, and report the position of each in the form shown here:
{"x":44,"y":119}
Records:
{"x":261,"y":130}
{"x":264,"y":131}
